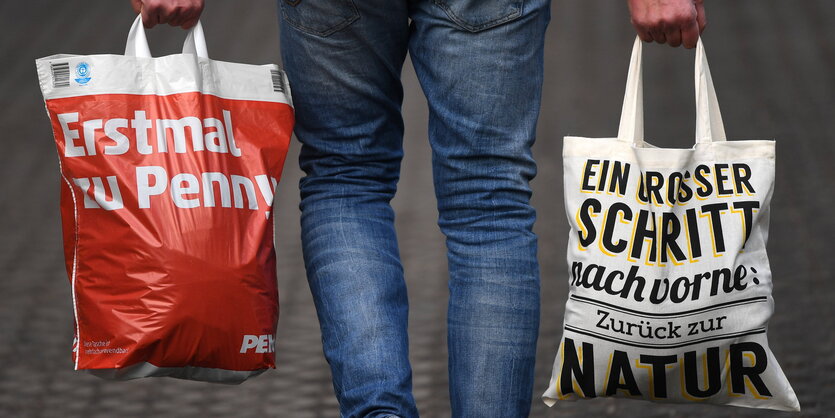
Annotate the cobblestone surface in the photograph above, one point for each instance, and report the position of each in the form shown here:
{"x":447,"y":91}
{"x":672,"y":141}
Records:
{"x":772,"y":63}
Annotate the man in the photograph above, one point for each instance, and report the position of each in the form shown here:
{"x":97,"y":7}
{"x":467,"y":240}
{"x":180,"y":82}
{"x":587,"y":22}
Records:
{"x":480,"y":64}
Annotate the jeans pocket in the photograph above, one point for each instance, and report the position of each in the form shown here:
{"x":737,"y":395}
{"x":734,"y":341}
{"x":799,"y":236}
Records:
{"x":319,"y":17}
{"x":478,"y":15}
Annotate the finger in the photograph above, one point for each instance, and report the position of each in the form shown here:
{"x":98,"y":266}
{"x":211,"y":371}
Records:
{"x":149,"y":17}
{"x":643,"y":34}
{"x":690,"y":35}
{"x":193,"y":16}
{"x":658,"y":36}
{"x":673,"y":36}
{"x":197,"y":6}
{"x":177,"y":17}
{"x":188,"y":24}
{"x":137,"y":5}
{"x":186,"y":19}
{"x":701,"y":18}
{"x":164,"y":15}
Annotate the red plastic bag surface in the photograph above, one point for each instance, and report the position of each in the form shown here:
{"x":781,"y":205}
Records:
{"x":169,"y":166}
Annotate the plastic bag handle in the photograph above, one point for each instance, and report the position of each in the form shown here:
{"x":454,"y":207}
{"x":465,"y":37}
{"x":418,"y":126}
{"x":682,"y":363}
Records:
{"x":137,"y":45}
{"x":709,"y":126}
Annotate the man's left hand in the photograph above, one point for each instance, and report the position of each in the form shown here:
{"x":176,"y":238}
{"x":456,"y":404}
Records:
{"x":672,"y":22}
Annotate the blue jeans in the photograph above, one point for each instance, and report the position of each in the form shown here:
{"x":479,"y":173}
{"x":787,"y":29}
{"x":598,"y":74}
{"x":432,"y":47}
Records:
{"x":480,"y":64}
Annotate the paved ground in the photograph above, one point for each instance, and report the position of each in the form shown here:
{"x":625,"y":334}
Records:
{"x":774,"y":67}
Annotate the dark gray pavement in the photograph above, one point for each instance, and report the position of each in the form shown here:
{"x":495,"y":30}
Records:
{"x":773,"y":64}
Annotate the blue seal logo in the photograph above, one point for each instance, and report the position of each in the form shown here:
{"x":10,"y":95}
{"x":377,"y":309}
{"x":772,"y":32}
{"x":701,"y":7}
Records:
{"x":82,"y":72}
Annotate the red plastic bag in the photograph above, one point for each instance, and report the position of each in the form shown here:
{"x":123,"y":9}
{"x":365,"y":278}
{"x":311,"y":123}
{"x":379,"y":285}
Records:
{"x":169,"y":168}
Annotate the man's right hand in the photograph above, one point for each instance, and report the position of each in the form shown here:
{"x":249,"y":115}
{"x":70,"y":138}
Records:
{"x":184,"y":13}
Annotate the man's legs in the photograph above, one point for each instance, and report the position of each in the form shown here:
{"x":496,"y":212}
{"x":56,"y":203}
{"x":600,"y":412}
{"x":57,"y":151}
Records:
{"x":480,"y":64}
{"x":343,"y":59}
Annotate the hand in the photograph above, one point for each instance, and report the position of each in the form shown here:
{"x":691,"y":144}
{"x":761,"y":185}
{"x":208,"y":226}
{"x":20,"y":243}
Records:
{"x":183,"y":13}
{"x":672,"y":22}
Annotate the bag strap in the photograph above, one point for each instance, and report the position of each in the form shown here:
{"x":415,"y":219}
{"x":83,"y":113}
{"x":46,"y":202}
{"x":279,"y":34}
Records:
{"x":137,"y":45}
{"x":709,"y":126}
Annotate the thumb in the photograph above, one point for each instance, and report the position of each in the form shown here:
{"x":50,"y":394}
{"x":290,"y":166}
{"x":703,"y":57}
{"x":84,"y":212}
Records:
{"x":137,"y":6}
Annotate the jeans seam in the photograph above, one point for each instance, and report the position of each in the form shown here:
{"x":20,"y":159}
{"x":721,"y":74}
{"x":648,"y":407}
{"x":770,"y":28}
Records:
{"x":335,"y":28}
{"x":486,"y":25}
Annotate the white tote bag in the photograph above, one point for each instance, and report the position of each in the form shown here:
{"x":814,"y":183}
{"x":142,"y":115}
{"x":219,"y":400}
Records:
{"x":670,"y":284}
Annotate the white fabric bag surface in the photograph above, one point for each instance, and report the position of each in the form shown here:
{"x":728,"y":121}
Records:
{"x":669,"y":281}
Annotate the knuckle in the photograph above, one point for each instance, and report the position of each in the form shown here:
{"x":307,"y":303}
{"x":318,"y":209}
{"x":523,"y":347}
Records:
{"x":686,"y":17}
{"x":675,"y":19}
{"x":658,"y":24}
{"x":668,"y":21}
{"x":194,"y":8}
{"x":640,"y":22}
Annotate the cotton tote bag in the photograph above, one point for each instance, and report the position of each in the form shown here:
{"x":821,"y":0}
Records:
{"x":169,"y":167}
{"x":669,"y":281}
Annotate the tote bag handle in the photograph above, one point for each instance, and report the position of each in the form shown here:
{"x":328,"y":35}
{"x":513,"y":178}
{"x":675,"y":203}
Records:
{"x":137,"y":45}
{"x":709,"y":126}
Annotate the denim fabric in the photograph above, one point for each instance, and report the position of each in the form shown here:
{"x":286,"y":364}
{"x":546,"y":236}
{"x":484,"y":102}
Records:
{"x":480,"y":64}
